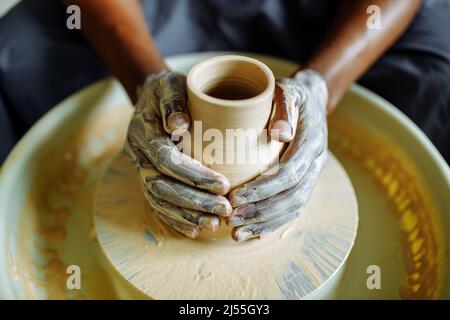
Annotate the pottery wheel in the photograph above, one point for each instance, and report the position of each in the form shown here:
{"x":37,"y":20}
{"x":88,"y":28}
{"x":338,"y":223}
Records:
{"x":291,"y":263}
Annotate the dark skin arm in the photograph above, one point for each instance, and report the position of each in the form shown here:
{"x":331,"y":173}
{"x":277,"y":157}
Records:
{"x":350,"y":48}
{"x":116,"y":29}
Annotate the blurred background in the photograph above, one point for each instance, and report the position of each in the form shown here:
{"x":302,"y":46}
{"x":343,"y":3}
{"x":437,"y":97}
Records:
{"x":40,"y":61}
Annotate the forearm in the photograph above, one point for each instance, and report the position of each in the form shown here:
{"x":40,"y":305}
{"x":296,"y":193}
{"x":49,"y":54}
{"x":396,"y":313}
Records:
{"x":117,"y":31}
{"x":351,"y":47}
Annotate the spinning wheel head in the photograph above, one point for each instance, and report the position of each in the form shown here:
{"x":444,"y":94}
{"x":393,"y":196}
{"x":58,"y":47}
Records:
{"x":303,"y":259}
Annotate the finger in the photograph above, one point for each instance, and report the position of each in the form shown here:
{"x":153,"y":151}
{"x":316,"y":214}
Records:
{"x":178,"y":193}
{"x":287,"y":175}
{"x":306,"y":146}
{"x":146,"y":135}
{"x":188,"y":230}
{"x":252,"y":231}
{"x":131,"y":153}
{"x":291,"y":200}
{"x":279,"y":124}
{"x":173,"y":103}
{"x":187,"y":197}
{"x":268,"y":209}
{"x":182,"y":215}
{"x":287,"y":101}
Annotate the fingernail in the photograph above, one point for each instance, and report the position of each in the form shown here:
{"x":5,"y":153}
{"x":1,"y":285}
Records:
{"x":221,"y":187}
{"x":210,"y":223}
{"x":235,"y":221}
{"x":242,"y":235}
{"x":191,"y":233}
{"x":178,"y":121}
{"x":282,"y":131}
{"x":238,"y":201}
{"x":221,"y":209}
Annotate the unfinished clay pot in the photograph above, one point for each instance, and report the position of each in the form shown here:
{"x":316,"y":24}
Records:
{"x":230,"y":101}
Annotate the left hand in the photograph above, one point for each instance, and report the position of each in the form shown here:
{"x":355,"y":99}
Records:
{"x":183,"y":193}
{"x":269,"y":201}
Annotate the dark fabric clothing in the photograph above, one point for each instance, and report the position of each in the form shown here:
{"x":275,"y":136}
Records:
{"x":42,"y":62}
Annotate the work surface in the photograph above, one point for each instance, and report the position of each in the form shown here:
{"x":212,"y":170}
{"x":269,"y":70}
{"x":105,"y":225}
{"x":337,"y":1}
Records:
{"x":401,"y":182}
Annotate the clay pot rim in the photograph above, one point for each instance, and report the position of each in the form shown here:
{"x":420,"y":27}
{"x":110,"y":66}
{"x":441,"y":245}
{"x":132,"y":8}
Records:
{"x":268,"y":91}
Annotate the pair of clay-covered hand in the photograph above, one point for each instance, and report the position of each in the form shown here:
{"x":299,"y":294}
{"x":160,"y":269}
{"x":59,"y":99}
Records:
{"x":189,"y":196}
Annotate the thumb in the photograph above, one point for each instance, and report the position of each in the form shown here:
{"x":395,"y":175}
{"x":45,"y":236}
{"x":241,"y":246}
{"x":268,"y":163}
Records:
{"x":283,"y":123}
{"x":173,"y":103}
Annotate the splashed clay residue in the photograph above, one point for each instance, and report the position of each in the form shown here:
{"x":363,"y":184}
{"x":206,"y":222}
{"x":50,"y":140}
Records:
{"x":56,"y":220}
{"x":409,"y":199}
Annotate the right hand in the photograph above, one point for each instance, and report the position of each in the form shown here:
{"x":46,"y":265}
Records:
{"x":183,"y":193}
